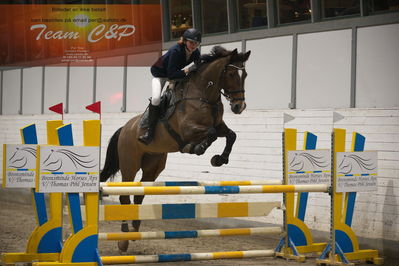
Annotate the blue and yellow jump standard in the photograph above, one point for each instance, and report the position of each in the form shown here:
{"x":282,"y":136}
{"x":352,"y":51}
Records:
{"x":298,"y":240}
{"x":81,"y":248}
{"x":344,"y":245}
{"x":45,"y":242}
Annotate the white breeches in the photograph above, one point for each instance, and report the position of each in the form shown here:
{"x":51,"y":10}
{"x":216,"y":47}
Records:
{"x":157,"y":86}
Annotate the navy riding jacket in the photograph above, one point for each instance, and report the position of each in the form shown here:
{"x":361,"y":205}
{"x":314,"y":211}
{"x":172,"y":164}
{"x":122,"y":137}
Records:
{"x":170,"y":64}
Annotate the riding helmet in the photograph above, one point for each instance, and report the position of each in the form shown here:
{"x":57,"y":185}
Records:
{"x":192,"y":35}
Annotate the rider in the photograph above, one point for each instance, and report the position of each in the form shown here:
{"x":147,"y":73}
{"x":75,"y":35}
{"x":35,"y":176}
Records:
{"x":171,"y":65}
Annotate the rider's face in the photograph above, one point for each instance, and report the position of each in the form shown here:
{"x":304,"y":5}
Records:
{"x":191,"y":45}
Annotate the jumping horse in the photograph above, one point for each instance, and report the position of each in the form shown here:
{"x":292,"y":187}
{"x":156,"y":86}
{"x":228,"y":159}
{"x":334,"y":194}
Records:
{"x":195,"y":123}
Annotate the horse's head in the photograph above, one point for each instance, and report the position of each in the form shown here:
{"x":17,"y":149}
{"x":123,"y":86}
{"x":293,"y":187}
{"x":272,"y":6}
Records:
{"x":233,"y":78}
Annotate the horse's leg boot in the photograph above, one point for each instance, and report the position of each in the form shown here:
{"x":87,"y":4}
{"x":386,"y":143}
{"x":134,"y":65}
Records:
{"x":153,"y":114}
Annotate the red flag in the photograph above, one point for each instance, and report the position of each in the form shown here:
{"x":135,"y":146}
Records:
{"x":95,"y":107}
{"x":57,"y":109}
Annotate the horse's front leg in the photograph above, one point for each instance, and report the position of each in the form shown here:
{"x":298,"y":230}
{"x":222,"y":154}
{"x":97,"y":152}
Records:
{"x":200,"y":148}
{"x":224,"y":131}
{"x":206,"y":135}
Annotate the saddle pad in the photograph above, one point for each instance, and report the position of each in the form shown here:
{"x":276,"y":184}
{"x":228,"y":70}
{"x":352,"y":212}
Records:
{"x":167,"y":107}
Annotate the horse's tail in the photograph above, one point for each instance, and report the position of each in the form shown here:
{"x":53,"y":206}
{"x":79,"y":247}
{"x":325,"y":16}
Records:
{"x":111,"y":165}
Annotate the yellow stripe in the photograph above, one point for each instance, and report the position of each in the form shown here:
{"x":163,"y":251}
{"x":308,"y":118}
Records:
{"x":233,"y":209}
{"x":124,"y":236}
{"x":45,"y":173}
{"x":118,"y":259}
{"x":124,"y":184}
{"x":228,"y":255}
{"x":280,"y":188}
{"x":161,"y":190}
{"x":236,"y":231}
{"x":52,"y":136}
{"x":119,"y":212}
{"x":93,"y":173}
{"x":69,"y":173}
{"x":91,"y":132}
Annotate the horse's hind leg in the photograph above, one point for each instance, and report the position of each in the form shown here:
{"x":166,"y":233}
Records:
{"x":151,"y":165}
{"x":129,"y":165}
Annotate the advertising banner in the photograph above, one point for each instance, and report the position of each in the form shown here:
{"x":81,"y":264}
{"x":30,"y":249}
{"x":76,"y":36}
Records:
{"x":33,"y":35}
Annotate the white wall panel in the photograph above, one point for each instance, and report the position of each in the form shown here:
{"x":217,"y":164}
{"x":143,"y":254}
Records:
{"x":268,"y":84}
{"x":139,"y":81}
{"x":54,"y":86}
{"x":80,"y":89}
{"x":32,"y":90}
{"x":377,"y":77}
{"x":109,"y":86}
{"x":11,"y":92}
{"x":324,"y":69}
{"x":138,"y":88}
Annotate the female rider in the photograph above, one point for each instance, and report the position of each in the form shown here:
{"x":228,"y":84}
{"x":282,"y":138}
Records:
{"x":171,"y":65}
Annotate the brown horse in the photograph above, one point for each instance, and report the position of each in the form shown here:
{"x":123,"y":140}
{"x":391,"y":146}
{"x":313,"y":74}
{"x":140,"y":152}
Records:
{"x":195,"y":123}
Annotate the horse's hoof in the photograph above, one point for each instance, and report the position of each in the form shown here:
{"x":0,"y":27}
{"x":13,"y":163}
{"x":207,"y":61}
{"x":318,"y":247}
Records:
{"x":123,"y":245}
{"x":124,"y":227}
{"x":199,"y":150}
{"x":218,"y":160}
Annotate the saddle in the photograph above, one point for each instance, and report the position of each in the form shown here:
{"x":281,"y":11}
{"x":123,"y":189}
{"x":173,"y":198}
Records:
{"x":167,"y":108}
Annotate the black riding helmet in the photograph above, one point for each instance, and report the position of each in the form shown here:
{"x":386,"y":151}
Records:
{"x":192,"y":35}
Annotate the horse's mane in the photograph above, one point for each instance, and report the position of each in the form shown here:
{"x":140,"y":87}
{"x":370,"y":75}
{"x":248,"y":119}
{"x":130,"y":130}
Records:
{"x":219,"y":52}
{"x":216,"y":53}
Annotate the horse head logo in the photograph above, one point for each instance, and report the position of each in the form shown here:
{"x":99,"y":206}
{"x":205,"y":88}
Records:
{"x":302,"y":160}
{"x":351,"y":162}
{"x":20,"y":157}
{"x":57,"y":158}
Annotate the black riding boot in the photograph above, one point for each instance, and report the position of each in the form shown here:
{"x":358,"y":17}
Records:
{"x":153,"y":114}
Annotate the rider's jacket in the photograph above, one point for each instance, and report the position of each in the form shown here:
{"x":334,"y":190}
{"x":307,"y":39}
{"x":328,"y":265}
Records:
{"x":170,"y":64}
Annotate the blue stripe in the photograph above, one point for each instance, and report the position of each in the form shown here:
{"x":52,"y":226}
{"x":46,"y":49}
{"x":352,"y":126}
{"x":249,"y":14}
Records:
{"x":303,"y":201}
{"x":181,"y":183}
{"x":365,"y":174}
{"x":181,"y":234}
{"x":311,"y":140}
{"x":350,"y":208}
{"x":174,"y":257}
{"x":57,"y":173}
{"x":178,"y":211}
{"x":221,"y":189}
{"x":81,"y":173}
{"x":65,"y":135}
{"x":40,"y":204}
{"x":360,"y":141}
{"x":310,"y":144}
{"x":22,"y":169}
{"x":76,"y":214}
{"x":29,"y":134}
{"x":349,"y":175}
{"x":300,"y":172}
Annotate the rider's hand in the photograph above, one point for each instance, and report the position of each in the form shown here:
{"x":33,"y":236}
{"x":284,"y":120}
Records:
{"x":190,"y":69}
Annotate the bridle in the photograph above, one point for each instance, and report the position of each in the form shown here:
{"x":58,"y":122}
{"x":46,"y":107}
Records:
{"x":228,"y":94}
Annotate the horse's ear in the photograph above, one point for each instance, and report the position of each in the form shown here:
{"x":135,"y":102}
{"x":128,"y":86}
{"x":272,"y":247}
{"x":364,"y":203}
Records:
{"x":246,"y":55}
{"x":234,"y":52}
